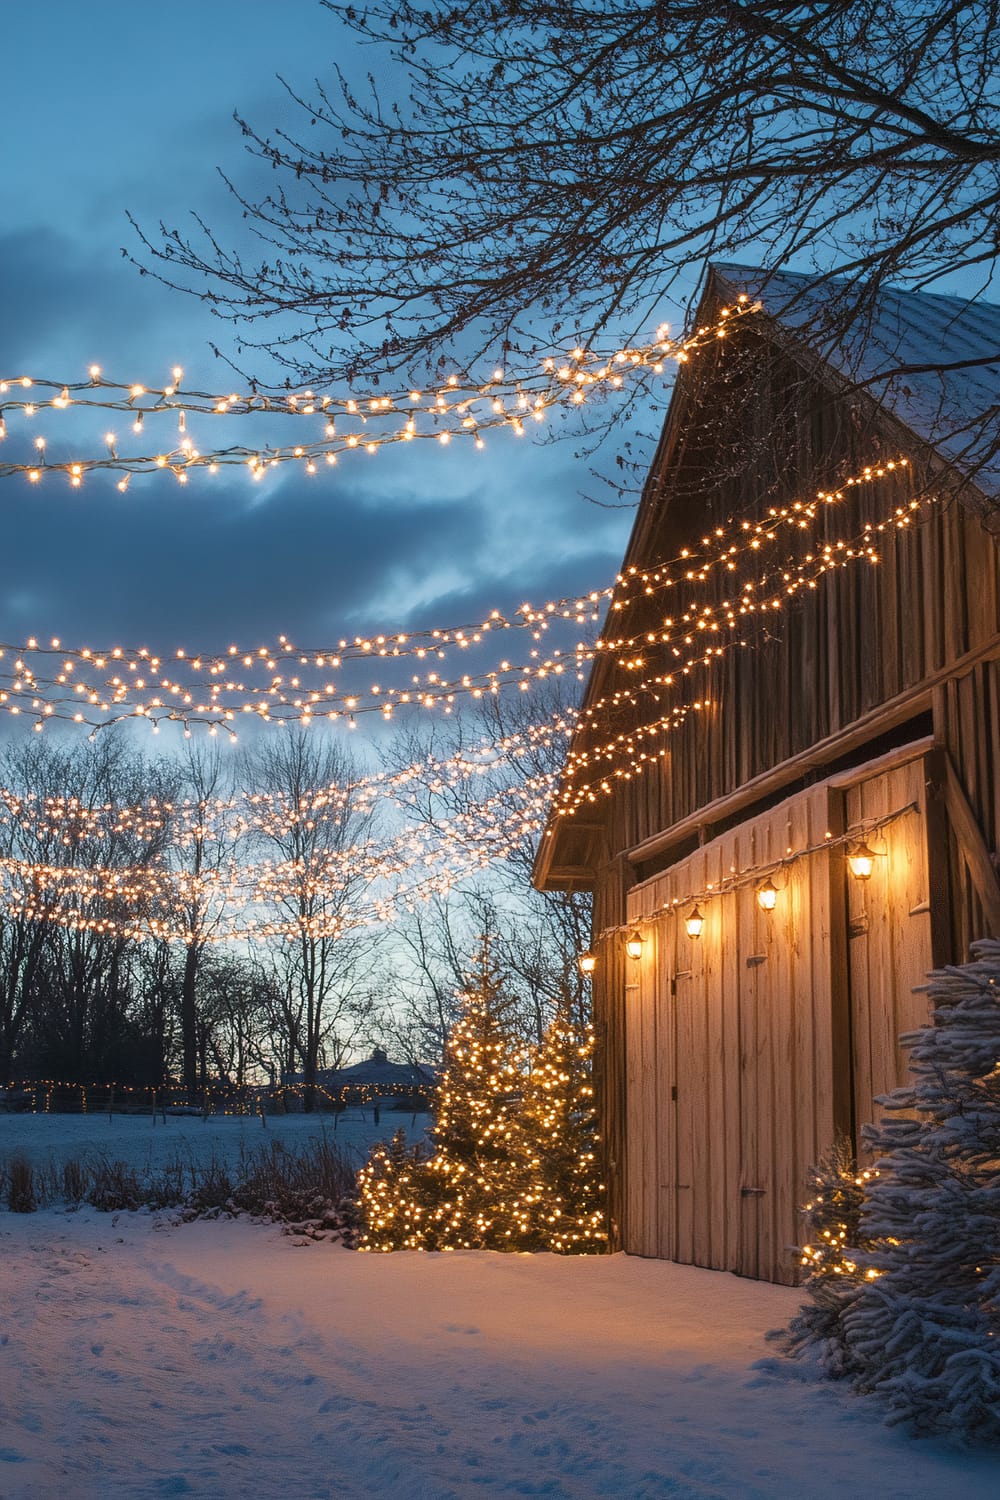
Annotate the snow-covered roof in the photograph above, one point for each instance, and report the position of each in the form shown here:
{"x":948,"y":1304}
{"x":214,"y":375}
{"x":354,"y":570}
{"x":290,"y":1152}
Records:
{"x":941,"y":356}
{"x":378,"y":1072}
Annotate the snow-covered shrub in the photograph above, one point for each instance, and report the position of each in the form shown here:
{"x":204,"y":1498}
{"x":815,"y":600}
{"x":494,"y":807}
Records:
{"x":116,"y":1186}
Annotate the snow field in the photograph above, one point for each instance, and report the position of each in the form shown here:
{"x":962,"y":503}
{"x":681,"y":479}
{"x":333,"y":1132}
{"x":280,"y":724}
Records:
{"x":142,"y":1358}
{"x":45,"y":1138}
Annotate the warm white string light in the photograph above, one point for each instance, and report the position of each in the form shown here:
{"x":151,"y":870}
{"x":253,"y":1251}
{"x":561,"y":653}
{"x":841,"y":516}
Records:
{"x":130,"y":884}
{"x":150,"y":901}
{"x":618,"y":749}
{"x":219,"y":701}
{"x":444,"y":410}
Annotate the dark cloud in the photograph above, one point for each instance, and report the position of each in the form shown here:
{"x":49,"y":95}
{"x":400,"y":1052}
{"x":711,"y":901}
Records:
{"x":417,"y":537}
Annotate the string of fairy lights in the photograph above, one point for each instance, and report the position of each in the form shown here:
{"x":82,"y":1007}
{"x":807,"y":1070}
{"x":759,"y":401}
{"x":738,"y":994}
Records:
{"x":687,"y":567}
{"x":155,"y":900}
{"x":221,"y":703}
{"x":443,"y":411}
{"x":69,"y":822}
{"x":481,"y":836}
{"x":757,"y":875}
{"x":241,"y":1100}
{"x":286,"y":683}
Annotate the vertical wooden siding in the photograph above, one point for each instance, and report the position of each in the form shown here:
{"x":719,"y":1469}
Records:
{"x":889,"y":933}
{"x":735,"y":1041}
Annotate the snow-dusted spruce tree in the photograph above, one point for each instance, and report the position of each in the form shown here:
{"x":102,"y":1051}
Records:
{"x":834,"y":1277}
{"x":463,"y":1195}
{"x":925,"y":1330}
{"x":560,"y":1205}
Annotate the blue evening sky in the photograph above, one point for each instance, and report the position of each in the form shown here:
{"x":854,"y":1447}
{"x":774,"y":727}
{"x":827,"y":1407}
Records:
{"x":113,"y":106}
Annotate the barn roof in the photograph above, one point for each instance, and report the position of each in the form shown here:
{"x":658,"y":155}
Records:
{"x":933,"y":361}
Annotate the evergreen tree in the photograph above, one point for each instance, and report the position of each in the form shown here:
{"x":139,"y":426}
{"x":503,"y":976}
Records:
{"x":389,"y":1189}
{"x":834,"y":1275}
{"x":463,"y":1195}
{"x":561,"y":1200}
{"x":924,"y":1335}
{"x":905,"y":1282}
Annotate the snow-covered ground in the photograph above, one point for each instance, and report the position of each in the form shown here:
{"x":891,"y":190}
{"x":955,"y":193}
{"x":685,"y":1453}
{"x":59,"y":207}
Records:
{"x":139,"y":1357}
{"x":135,"y":1139}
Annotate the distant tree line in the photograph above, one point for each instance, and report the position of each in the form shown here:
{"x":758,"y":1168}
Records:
{"x":90,"y":993}
{"x":85,"y":996}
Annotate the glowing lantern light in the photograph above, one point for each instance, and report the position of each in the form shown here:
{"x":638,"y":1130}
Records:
{"x":633,"y":945}
{"x":587,"y":962}
{"x":861,"y":861}
{"x":767,"y":895}
{"x":694,"y":922}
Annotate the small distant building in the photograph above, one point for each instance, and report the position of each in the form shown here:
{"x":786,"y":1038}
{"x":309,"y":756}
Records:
{"x":402,"y":1085}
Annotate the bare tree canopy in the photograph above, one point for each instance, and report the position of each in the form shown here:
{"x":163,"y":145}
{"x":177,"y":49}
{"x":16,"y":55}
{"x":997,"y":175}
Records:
{"x":551,"y":171}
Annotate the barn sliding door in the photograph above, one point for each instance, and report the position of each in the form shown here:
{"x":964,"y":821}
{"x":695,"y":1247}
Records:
{"x":749,"y":1047}
{"x":729,"y":1053}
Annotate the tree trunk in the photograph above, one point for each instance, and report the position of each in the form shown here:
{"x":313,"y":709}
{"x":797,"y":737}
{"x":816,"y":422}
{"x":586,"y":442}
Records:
{"x":189,"y":1023}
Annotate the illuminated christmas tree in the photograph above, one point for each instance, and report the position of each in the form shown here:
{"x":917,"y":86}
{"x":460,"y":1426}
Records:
{"x":561,"y":1202}
{"x":834,"y":1275}
{"x":389,"y":1188}
{"x":463,"y":1195}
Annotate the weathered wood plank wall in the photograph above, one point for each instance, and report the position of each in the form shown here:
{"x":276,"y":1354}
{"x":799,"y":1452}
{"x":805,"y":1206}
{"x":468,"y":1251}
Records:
{"x":735,"y":1040}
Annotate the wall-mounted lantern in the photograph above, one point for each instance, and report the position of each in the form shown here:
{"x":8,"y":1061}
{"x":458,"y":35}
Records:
{"x":633,"y":945}
{"x":767,"y":895}
{"x":861,"y":861}
{"x":694,"y":922}
{"x":587,"y":962}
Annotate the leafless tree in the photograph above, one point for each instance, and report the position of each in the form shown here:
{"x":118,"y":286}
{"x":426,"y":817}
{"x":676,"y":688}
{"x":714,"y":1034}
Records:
{"x":201,"y":854}
{"x":537,"y":937}
{"x":321,"y":834}
{"x":554,"y":171}
{"x":66,"y":952}
{"x":429,"y":974}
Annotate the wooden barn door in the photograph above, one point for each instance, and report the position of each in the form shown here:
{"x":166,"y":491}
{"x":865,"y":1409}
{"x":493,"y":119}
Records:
{"x":786,"y":1039}
{"x":729,"y":1053}
{"x":889,"y":933}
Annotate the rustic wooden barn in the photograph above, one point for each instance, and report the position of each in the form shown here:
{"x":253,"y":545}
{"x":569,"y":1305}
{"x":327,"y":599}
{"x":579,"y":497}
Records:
{"x":767,"y":695}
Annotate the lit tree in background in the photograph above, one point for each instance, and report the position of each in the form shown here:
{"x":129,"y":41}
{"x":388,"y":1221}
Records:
{"x":463,"y":1196}
{"x":392,"y":1201}
{"x":561,"y":1204}
{"x":514,"y":1163}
